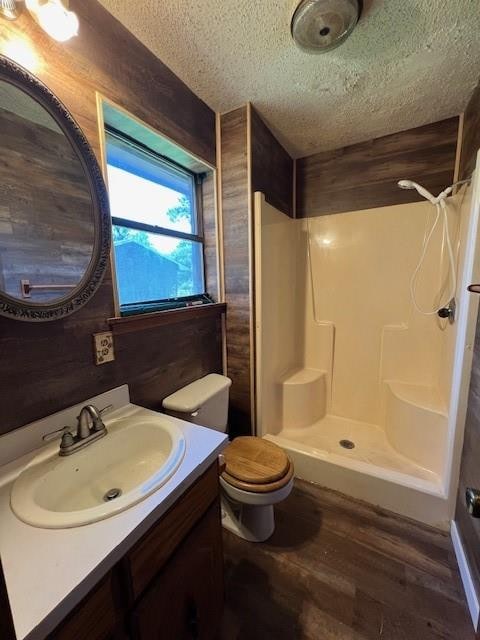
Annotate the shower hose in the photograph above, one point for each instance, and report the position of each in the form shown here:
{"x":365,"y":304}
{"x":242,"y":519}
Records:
{"x":441,"y":212}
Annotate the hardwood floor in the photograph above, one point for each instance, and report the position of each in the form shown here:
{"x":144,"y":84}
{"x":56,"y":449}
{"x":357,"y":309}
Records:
{"x":338,"y":569}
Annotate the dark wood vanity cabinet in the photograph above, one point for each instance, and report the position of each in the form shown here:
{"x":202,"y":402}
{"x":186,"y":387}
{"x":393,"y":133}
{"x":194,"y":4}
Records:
{"x":185,"y":601}
{"x":95,"y":617}
{"x":169,"y":586}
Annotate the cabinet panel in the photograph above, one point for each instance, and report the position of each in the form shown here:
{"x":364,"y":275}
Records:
{"x":148,"y":556}
{"x":7,"y":631}
{"x":93,"y":619}
{"x":186,"y":600}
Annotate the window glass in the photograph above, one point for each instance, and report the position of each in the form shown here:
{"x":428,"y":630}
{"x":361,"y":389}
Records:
{"x":156,"y":234}
{"x":145,"y":189}
{"x":153,"y":267}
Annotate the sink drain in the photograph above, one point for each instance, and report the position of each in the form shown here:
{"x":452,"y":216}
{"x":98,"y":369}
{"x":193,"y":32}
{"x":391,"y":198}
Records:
{"x":347,"y":444}
{"x":112,"y":494}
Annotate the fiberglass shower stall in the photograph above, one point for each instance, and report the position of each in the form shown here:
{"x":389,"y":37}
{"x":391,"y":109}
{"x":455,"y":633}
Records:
{"x":360,"y":389}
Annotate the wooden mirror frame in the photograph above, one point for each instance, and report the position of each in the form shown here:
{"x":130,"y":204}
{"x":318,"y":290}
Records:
{"x":39,"y":312}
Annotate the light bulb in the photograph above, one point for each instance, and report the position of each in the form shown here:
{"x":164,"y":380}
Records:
{"x":54,"y":18}
{"x":21,"y":52}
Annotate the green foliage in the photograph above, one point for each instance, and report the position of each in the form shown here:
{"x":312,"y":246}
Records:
{"x":183,"y":253}
{"x":125,"y":233}
{"x":182,"y":210}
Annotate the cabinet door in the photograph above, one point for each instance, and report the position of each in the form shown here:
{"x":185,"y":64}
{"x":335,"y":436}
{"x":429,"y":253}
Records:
{"x":93,"y":619}
{"x":185,"y":601}
{"x":154,"y":550}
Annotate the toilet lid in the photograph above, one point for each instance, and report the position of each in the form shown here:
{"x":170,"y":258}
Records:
{"x":255,"y":460}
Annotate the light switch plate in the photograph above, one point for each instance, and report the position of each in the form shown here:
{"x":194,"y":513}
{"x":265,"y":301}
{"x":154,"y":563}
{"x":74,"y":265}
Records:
{"x":103,"y":347}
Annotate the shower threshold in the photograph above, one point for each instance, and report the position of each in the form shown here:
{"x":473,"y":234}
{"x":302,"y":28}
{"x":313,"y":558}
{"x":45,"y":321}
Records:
{"x":370,"y":470}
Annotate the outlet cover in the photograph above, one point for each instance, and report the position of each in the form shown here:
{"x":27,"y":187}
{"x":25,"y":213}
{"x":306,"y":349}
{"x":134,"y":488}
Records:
{"x":103,"y":347}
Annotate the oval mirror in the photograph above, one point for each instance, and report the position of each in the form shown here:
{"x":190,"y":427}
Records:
{"x":54,"y":218}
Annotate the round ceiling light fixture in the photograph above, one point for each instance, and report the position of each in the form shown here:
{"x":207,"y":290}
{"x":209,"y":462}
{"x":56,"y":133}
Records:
{"x":321,"y":25}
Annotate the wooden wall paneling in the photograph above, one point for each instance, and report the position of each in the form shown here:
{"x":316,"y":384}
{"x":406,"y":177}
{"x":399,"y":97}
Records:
{"x":155,"y":319}
{"x":160,"y":98}
{"x":235,"y":193}
{"x":272,"y":167}
{"x":210,"y":229}
{"x":49,"y":366}
{"x":365,"y":175}
{"x":106,"y":57}
{"x":169,"y":359}
{"x":471,"y":136}
{"x":250,"y":159}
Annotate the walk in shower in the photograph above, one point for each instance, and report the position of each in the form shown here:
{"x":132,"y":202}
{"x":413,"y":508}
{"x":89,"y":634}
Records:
{"x":351,"y":379}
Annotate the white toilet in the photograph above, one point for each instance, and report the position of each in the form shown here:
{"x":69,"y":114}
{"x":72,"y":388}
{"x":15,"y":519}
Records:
{"x":258,"y":473}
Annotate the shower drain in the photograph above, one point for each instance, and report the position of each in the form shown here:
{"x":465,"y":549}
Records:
{"x":112,"y":494}
{"x":347,"y":444}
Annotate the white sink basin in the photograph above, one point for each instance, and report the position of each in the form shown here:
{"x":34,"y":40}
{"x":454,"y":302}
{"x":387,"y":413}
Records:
{"x":137,"y":456}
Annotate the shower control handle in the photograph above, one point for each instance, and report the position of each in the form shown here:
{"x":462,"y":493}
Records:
{"x":472,"y":497}
{"x":448,"y":311}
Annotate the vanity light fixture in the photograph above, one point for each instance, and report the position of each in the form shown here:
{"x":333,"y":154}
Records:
{"x":9,"y":9}
{"x":22,"y":52}
{"x":55,"y":18}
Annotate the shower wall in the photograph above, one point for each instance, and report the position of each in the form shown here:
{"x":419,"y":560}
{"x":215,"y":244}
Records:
{"x":278,"y":308}
{"x":361,"y":264}
{"x":336,"y":332}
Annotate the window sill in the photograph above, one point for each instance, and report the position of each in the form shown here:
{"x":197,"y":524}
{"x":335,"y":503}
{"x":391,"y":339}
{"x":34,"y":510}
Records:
{"x":129,"y":324}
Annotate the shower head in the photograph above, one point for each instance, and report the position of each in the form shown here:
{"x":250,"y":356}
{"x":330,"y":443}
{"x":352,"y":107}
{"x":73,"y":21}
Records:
{"x":321,"y":25}
{"x":409,"y":184}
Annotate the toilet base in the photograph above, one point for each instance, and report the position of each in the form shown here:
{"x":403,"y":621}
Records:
{"x":250,"y":522}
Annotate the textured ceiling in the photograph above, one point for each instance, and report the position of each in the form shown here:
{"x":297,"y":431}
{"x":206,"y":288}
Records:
{"x":408,"y":63}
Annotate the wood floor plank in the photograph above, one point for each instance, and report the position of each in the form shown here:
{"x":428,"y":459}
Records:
{"x":339,"y":569}
{"x":346,"y":508}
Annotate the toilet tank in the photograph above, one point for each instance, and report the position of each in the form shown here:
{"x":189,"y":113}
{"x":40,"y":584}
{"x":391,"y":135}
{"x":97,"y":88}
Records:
{"x":203,"y":402}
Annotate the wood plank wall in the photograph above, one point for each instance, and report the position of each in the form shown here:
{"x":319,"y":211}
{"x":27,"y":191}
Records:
{"x":469,"y":527}
{"x":470,"y":136}
{"x":47,"y":367}
{"x":211,"y":249}
{"x":272,"y":166}
{"x":365,"y":175}
{"x":236,"y":211}
{"x":252,"y":160}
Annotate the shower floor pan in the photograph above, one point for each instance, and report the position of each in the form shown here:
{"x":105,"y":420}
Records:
{"x":372,"y":470}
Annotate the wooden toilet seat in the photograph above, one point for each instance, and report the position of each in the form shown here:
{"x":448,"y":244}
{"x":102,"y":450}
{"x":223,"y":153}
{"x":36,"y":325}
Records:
{"x":256,"y":465}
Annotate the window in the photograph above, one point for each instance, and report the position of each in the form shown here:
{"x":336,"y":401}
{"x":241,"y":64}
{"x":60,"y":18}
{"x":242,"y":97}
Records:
{"x":157,"y":229}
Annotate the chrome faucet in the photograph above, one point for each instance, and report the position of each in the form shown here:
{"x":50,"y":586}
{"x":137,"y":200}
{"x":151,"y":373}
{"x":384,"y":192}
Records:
{"x":88,"y":420}
{"x":89,"y":428}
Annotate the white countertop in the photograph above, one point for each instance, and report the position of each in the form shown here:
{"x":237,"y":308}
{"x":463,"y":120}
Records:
{"x":48,"y":571}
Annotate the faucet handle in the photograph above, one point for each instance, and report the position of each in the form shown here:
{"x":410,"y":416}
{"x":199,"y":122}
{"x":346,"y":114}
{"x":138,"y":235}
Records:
{"x":59,"y":433}
{"x":107,"y":408}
